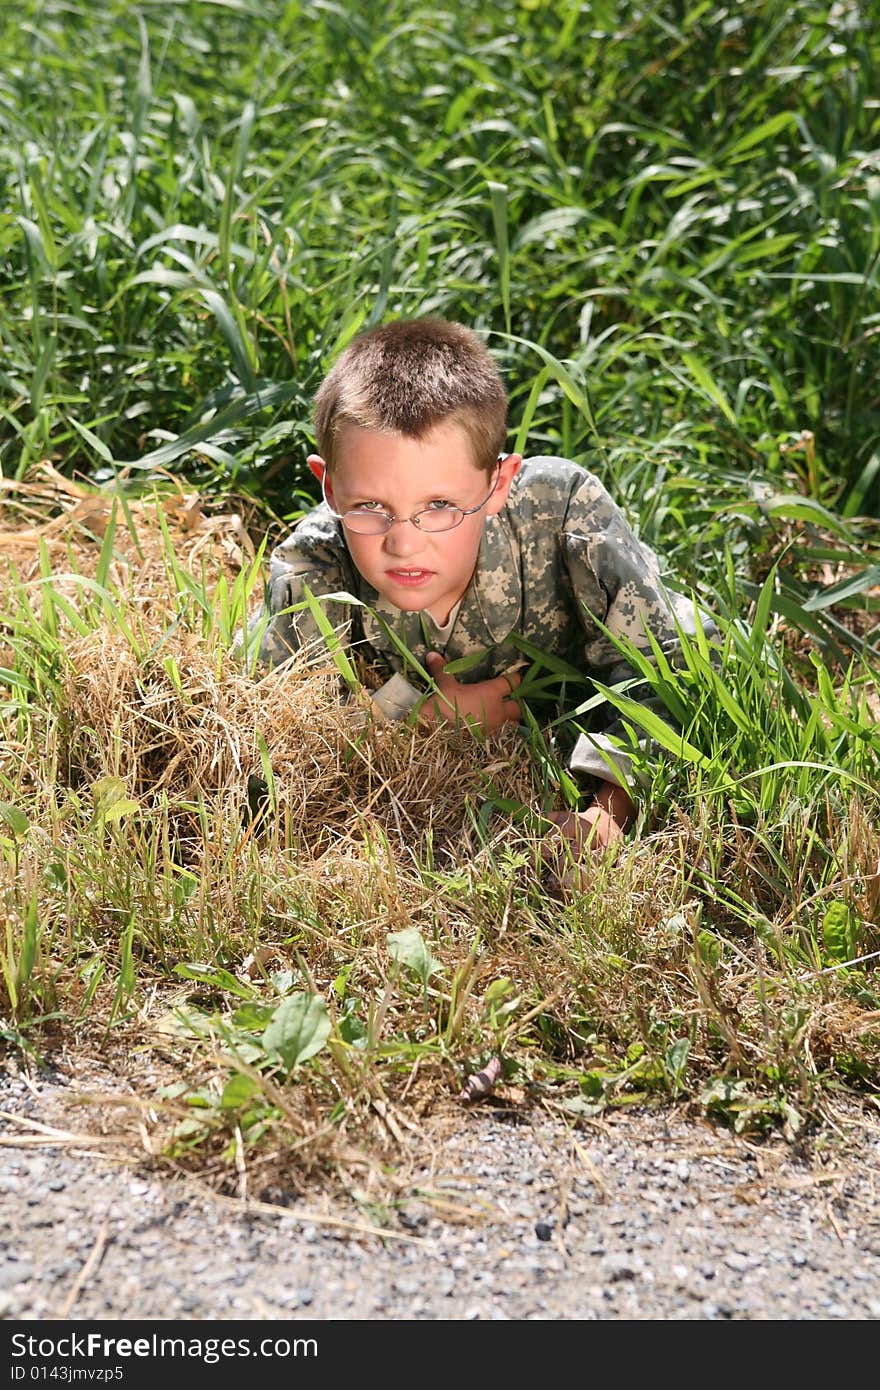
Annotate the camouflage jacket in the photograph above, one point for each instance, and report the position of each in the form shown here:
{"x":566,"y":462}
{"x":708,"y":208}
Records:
{"x":558,"y":553}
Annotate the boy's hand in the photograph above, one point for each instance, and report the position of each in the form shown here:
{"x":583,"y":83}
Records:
{"x":580,"y":836}
{"x":487,"y":702}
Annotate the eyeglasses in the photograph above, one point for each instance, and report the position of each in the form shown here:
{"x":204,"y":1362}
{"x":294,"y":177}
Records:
{"x":365,"y":521}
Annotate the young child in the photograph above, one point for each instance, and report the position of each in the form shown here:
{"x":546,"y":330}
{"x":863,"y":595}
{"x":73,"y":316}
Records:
{"x":456,"y":545}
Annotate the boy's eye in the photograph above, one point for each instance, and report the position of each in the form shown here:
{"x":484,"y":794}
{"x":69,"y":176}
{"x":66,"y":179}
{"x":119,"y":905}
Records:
{"x":367,"y":507}
{"x":441,"y":504}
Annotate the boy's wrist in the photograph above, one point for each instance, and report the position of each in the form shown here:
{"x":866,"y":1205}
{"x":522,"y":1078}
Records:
{"x":396,"y":698}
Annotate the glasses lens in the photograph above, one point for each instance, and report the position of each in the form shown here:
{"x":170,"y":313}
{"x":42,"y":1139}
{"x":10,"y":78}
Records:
{"x":366,"y":523}
{"x":444,"y":519}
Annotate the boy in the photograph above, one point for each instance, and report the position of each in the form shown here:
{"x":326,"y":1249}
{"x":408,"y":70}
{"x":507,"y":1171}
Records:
{"x":456,"y":545}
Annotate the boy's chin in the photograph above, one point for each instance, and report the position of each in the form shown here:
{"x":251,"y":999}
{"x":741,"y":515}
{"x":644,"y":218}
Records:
{"x":406,"y":603}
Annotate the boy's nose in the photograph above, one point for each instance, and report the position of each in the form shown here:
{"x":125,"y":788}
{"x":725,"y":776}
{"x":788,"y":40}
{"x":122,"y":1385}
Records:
{"x":403,"y":538}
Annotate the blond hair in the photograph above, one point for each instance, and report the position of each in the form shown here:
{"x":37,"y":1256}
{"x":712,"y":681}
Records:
{"x":407,"y":377}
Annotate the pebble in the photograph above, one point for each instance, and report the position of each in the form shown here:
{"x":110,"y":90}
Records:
{"x":14,"y":1272}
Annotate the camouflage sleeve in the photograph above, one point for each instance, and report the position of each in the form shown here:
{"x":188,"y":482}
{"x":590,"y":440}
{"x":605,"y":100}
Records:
{"x":616,"y":578}
{"x":311,"y":557}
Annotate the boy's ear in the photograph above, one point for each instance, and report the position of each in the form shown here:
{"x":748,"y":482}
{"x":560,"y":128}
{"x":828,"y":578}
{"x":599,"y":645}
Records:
{"x":317,"y":465}
{"x":508,"y":468}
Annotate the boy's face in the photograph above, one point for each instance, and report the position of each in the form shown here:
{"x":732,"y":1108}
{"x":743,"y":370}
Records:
{"x":411,"y":568}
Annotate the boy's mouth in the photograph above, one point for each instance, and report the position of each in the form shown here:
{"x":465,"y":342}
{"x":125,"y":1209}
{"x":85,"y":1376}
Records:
{"x":409,"y":576}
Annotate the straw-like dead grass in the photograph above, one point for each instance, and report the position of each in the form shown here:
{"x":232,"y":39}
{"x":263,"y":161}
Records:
{"x":198,"y":733}
{"x":181,"y":719}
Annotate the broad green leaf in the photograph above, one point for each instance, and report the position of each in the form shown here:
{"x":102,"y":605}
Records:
{"x":725,"y":1093}
{"x":759,"y":135}
{"x":127,"y":975}
{"x":556,"y":222}
{"x":299,"y":1028}
{"x":252,"y":1016}
{"x":708,"y":949}
{"x":794,"y":507}
{"x":498,"y":991}
{"x":238,"y":345}
{"x":238,"y":1090}
{"x":353,"y":1031}
{"x":762,"y":611}
{"x":106,"y":792}
{"x":16,"y":820}
{"x":498,"y":193}
{"x":56,"y":875}
{"x":857,"y":584}
{"x":283,"y":981}
{"x":241,"y":408}
{"x":462,"y":664}
{"x":120,"y":809}
{"x":839,"y":928}
{"x":409,"y":948}
{"x":676,"y":1059}
{"x":92,"y":440}
{"x":561,"y":375}
{"x":764,"y":248}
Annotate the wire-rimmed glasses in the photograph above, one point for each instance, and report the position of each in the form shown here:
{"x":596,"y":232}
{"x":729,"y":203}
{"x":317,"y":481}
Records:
{"x":375,"y":521}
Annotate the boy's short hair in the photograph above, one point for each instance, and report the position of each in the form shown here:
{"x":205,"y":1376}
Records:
{"x":407,"y":377}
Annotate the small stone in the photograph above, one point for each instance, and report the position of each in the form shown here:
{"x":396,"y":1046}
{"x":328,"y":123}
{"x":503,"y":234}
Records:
{"x":412,"y":1218}
{"x":619,"y":1267}
{"x":15,"y":1272}
{"x":407,"y":1287}
{"x":543,"y":1230}
{"x":737,"y":1261}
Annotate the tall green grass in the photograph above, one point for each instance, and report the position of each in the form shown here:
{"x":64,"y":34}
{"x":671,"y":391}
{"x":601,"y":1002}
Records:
{"x":682,"y":205}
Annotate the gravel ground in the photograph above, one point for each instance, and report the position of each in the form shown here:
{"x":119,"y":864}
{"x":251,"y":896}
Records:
{"x":637,"y":1216}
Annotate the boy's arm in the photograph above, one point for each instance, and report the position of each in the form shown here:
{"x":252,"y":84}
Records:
{"x":616,"y":577}
{"x":307,"y":559}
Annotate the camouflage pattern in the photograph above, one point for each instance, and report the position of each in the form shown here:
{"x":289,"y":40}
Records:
{"x":559,"y":552}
